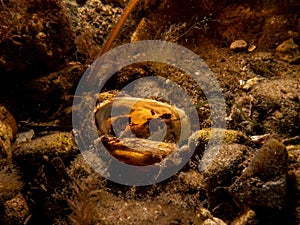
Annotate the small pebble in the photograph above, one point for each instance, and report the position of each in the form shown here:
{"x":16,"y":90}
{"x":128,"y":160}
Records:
{"x":239,"y":45}
{"x":251,"y":48}
{"x":251,"y":82}
{"x":24,"y":136}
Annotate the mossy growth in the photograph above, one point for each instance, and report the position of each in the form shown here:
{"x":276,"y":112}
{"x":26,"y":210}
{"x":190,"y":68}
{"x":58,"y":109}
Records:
{"x":202,"y":137}
{"x":35,"y":35}
{"x":42,"y":150}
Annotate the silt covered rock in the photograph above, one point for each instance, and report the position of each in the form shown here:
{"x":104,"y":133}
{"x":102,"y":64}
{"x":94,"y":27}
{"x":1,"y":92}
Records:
{"x":263,"y":184}
{"x":8,"y":130}
{"x":35,"y":153}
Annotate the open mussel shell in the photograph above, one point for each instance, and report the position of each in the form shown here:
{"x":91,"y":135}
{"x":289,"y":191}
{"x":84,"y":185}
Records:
{"x":141,"y":131}
{"x":137,"y":151}
{"x":143,"y":118}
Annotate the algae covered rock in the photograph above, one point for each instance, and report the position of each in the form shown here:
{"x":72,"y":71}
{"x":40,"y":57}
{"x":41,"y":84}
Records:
{"x":207,"y":218}
{"x":227,"y":164}
{"x":10,"y":187}
{"x":34,"y":34}
{"x":48,"y":95}
{"x":297,"y":188}
{"x":271,"y":106}
{"x":16,"y":210}
{"x":289,"y":51}
{"x":8,"y":130}
{"x":219,"y":174}
{"x":199,"y":139}
{"x":263,"y":184}
{"x":41,"y":150}
{"x":10,"y":182}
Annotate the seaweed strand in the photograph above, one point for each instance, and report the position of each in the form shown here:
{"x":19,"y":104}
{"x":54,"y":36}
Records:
{"x":118,"y":26}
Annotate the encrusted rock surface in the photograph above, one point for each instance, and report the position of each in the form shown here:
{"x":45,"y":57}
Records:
{"x":289,"y":51}
{"x":37,"y":152}
{"x":273,"y":104}
{"x":8,"y":131}
{"x":263,"y":184}
{"x":16,"y":210}
{"x":35,"y":35}
{"x":10,"y":181}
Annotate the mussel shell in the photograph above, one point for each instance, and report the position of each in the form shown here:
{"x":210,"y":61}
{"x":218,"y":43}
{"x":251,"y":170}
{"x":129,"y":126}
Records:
{"x":141,"y":131}
{"x":142,"y":118}
{"x":137,"y":151}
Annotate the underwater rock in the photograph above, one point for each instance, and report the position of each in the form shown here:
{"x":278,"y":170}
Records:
{"x":274,"y":31}
{"x":251,"y":48}
{"x":289,"y":51}
{"x":10,"y":182}
{"x":48,"y":95}
{"x":270,"y":106}
{"x":246,"y":216}
{"x":251,"y":82}
{"x":294,"y":155}
{"x":199,"y":139}
{"x":35,"y":35}
{"x":214,"y":221}
{"x":264,"y":65}
{"x":227,"y":164}
{"x":16,"y":210}
{"x":294,"y":179}
{"x":207,"y":218}
{"x":24,"y":136}
{"x":219,"y":174}
{"x":238,"y":46}
{"x":263,"y":184}
{"x":8,"y":130}
{"x":297,"y":188}
{"x":42,"y":150}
